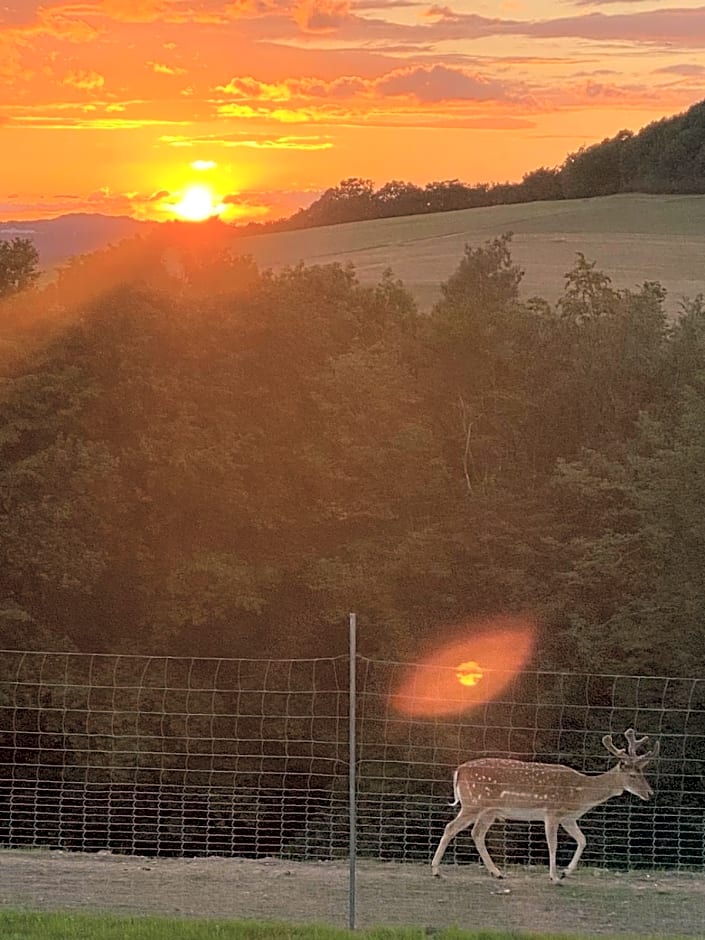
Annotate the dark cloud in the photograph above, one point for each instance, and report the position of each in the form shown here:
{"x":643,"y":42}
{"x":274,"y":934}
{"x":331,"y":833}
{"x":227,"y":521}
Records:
{"x":383,"y":4}
{"x":440,"y":83}
{"x":594,"y":3}
{"x":662,"y":27}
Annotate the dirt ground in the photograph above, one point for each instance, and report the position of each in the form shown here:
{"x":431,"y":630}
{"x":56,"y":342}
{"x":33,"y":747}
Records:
{"x":592,"y":902}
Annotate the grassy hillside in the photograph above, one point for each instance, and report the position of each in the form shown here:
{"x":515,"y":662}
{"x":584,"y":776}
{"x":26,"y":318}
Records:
{"x":632,"y":237}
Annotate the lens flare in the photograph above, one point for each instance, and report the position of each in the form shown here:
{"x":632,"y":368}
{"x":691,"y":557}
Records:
{"x":469,"y":671}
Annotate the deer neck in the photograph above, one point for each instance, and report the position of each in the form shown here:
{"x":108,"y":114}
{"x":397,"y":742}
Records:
{"x":607,"y":784}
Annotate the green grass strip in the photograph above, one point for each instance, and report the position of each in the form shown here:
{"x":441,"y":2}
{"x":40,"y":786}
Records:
{"x":30,"y":925}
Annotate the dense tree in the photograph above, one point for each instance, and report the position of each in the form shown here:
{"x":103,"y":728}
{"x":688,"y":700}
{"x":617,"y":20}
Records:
{"x":629,"y":574}
{"x":605,"y":352}
{"x":208,"y":458}
{"x":541,"y":184}
{"x":668,"y":155}
{"x":352,"y":199}
{"x":398,"y":198}
{"x":483,"y":339}
{"x":243,"y":444}
{"x":595,"y":170}
{"x":19,"y":265}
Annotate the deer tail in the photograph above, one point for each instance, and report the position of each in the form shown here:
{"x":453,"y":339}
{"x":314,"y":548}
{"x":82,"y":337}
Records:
{"x":456,"y":792}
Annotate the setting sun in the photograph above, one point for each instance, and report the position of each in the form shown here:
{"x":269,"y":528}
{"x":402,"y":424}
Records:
{"x":198,"y":203}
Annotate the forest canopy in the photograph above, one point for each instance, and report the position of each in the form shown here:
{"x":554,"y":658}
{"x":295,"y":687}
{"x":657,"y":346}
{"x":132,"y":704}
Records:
{"x":667,"y":156}
{"x":202,"y":458}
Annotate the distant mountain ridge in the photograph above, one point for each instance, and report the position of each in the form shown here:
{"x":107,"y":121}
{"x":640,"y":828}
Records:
{"x":78,"y":233}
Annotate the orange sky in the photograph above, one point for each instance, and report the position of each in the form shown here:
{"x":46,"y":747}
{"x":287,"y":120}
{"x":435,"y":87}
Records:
{"x":117,"y":106}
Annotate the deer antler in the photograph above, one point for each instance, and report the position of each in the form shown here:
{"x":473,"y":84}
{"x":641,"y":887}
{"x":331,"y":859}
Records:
{"x":613,"y":749}
{"x":640,"y":760}
{"x":634,"y":743}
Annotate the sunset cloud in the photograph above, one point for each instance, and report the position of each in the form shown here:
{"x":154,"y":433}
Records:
{"x":161,"y":69}
{"x":263,"y":142}
{"x":285,"y":143}
{"x":121,"y":92}
{"x":84,"y":79}
{"x":248,"y":87}
{"x":283,"y":115}
{"x":92,"y":115}
{"x":134,"y":11}
{"x":425,"y":84}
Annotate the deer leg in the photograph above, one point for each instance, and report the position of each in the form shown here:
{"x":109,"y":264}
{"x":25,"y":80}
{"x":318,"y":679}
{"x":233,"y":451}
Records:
{"x":479,"y":831}
{"x":551,"y":826}
{"x":574,"y":830}
{"x":461,"y":821}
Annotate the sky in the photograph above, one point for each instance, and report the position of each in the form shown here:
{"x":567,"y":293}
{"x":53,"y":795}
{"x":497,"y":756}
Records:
{"x":251,"y":108}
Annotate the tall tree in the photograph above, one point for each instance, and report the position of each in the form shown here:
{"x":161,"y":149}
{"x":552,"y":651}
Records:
{"x":19,"y":265}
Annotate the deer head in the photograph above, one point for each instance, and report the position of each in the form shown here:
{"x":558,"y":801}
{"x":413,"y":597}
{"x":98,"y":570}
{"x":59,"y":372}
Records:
{"x":631,"y":764}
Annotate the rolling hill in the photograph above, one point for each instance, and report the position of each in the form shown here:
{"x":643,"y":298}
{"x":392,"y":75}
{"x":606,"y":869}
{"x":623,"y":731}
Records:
{"x":632,"y":237}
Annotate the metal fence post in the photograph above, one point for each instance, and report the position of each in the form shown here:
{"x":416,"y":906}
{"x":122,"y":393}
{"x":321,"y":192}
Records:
{"x":352,"y":772}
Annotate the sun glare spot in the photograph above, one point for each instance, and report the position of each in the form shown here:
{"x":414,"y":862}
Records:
{"x":469,"y":673}
{"x":204,"y":165}
{"x":198,"y":203}
{"x":450,"y":680}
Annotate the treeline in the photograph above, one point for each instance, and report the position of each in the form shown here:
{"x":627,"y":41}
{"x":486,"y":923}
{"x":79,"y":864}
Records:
{"x":355,"y":199}
{"x":201,"y":458}
{"x":667,"y":156}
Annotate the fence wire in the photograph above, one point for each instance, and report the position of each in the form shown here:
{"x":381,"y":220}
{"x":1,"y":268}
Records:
{"x":195,"y":757}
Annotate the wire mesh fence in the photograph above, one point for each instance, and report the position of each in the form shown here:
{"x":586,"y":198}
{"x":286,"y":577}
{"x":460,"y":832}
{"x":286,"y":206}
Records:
{"x":196,"y":757}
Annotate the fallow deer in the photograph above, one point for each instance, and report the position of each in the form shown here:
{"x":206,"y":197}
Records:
{"x":489,"y":789}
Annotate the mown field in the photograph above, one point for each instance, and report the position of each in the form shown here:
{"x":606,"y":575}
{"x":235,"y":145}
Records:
{"x":632,"y":237}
